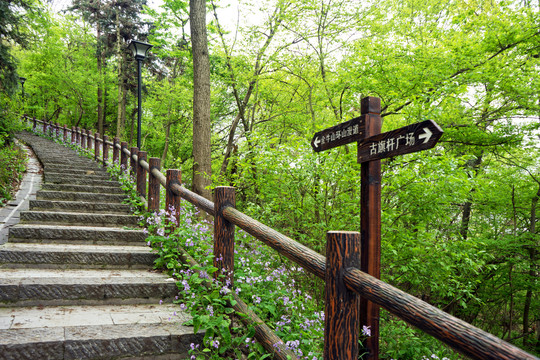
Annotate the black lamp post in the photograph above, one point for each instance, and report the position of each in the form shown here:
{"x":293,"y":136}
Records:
{"x":139,"y":50}
{"x":22,"y":80}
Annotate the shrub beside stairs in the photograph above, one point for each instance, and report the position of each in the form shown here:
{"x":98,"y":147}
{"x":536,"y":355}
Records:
{"x":76,"y":279}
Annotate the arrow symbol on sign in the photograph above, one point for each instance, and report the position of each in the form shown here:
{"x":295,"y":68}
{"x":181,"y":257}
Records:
{"x":316,"y":142}
{"x":426,"y":136}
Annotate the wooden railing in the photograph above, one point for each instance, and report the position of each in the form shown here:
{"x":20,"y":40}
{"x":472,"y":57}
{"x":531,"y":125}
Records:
{"x":344,"y":282}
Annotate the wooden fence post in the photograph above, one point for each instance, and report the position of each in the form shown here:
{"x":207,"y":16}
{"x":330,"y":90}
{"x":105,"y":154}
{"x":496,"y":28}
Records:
{"x":132,"y":162}
{"x":57,"y":128}
{"x":79,"y":136}
{"x":224,"y":196}
{"x":123,"y":156}
{"x":89,"y":141}
{"x":370,"y":224}
{"x":35,"y":124}
{"x":116,"y":151}
{"x":96,"y":146}
{"x":141,"y":174}
{"x":44,"y":127}
{"x":172,"y":201}
{"x":65,"y":133}
{"x":105,"y":150}
{"x":85,"y":139}
{"x":153,"y":185}
{"x":342,"y":306}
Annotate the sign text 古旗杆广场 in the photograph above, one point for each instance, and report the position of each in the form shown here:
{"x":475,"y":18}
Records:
{"x":416,"y":137}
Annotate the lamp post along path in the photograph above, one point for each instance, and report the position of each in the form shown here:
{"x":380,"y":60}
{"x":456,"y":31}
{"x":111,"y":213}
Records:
{"x":22,"y":81}
{"x":139,"y":50}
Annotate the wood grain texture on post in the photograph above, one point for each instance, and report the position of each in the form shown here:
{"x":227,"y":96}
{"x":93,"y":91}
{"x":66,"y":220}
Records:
{"x":141,"y":174}
{"x":172,"y":201}
{"x":153,"y":185}
{"x":123,"y":156}
{"x":132,"y":162}
{"x":79,"y":136}
{"x":96,"y":146}
{"x":370,"y":224}
{"x":84,"y":138}
{"x":224,"y":196}
{"x":116,"y":151}
{"x":105,"y":150}
{"x":342,"y":306}
{"x":89,"y":142}
{"x":86,"y":143}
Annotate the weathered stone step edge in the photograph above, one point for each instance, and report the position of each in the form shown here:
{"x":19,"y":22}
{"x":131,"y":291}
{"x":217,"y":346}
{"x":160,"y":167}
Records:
{"x":143,"y":341}
{"x":78,"y":206}
{"x":66,"y":159}
{"x":78,"y":196}
{"x":31,"y":317}
{"x":75,"y":234}
{"x":79,"y":181}
{"x":78,"y":219}
{"x":22,"y":287}
{"x":74,"y":165}
{"x":68,"y":256}
{"x":82,"y":188}
{"x":73,"y":171}
{"x":103,"y":176}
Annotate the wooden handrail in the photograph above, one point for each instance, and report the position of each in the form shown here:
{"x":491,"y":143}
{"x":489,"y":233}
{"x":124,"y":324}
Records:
{"x":461,"y":336}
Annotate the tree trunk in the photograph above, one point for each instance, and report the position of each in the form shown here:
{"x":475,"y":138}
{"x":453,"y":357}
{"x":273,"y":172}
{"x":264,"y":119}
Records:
{"x":166,"y":147}
{"x":100,"y":77}
{"x":467,"y":207}
{"x":532,"y":270}
{"x":202,"y":166}
{"x":121,"y":119}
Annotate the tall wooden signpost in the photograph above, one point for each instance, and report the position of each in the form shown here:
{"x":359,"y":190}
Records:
{"x":372,"y":147}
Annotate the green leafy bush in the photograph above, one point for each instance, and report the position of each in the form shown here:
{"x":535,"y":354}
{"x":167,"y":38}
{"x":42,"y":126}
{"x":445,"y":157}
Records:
{"x":12,"y":163}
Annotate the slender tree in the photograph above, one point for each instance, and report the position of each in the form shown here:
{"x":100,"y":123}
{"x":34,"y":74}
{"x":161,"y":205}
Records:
{"x":202,"y":166}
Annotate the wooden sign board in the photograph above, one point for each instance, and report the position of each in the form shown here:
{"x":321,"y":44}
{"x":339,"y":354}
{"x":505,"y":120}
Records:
{"x":416,"y":137}
{"x":344,"y":133}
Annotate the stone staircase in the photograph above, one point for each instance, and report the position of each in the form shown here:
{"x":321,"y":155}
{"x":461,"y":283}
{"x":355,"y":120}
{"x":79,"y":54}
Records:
{"x":76,"y":279}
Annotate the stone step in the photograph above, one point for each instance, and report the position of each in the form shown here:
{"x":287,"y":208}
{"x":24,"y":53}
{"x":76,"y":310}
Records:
{"x":91,"y":176}
{"x":75,"y":163}
{"x":95,"y":332}
{"x":83,"y":188}
{"x":78,"y":219}
{"x":76,"y":206}
{"x":74,"y":196}
{"x":67,"y":256}
{"x":79,"y":180}
{"x":70,"y":170}
{"x":28,"y":287}
{"x":88,"y":235}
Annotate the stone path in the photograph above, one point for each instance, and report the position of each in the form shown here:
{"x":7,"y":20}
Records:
{"x":76,"y":280}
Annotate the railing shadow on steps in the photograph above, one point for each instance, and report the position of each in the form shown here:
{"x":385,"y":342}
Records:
{"x":344,"y":282}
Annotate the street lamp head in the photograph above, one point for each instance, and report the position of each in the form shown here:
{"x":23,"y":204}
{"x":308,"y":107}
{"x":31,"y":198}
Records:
{"x":22,"y":80}
{"x":139,"y":49}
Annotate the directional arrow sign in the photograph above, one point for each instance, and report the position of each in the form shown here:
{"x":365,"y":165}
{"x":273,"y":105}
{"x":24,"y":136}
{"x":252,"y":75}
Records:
{"x":344,"y":133}
{"x":416,"y":137}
